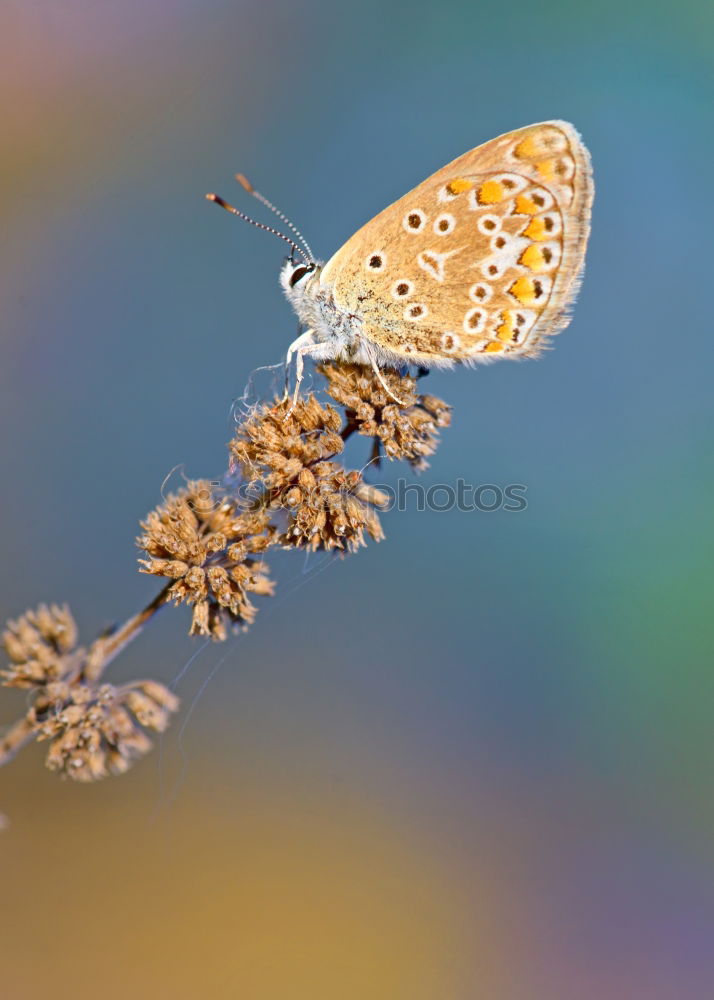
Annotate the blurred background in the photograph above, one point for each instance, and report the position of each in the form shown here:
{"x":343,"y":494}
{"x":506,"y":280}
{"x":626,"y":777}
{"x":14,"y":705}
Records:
{"x":475,"y":760}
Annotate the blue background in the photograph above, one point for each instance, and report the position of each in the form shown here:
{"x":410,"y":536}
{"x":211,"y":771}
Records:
{"x":476,"y":759}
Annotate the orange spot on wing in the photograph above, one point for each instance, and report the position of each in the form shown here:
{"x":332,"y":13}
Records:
{"x":491,"y":192}
{"x":524,"y":290}
{"x":524,"y":206}
{"x":493,"y":348}
{"x":533,"y":258}
{"x":536,"y":230}
{"x":459,"y":185}
{"x":546,"y":168}
{"x":526,"y":147}
{"x":506,"y":330}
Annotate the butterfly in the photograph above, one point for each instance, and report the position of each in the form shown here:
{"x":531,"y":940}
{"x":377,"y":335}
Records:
{"x":480,"y":261}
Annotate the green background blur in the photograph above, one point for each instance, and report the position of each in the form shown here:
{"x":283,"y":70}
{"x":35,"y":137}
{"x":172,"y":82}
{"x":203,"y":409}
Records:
{"x":474,"y":761}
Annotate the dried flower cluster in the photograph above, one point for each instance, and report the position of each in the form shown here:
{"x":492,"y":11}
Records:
{"x":288,"y":489}
{"x":205,"y":545}
{"x":94,"y":729}
{"x":285,"y":455}
{"x":331,"y":508}
{"x":40,"y":645}
{"x":277,"y":441}
{"x":409,"y":432}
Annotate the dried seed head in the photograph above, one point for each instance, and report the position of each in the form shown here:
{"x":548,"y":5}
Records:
{"x":272,"y":448}
{"x":287,"y":453}
{"x":94,"y":729}
{"x":98,"y":730}
{"x":335,"y":513}
{"x":204,"y":544}
{"x":407,"y":432}
{"x":41,"y":645}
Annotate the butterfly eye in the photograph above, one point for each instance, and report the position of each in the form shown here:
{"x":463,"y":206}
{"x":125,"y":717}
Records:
{"x":300,"y":271}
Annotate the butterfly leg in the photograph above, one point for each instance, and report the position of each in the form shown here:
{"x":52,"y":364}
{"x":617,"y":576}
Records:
{"x":306,"y":339}
{"x":304,"y":345}
{"x":378,"y":373}
{"x":299,"y":340}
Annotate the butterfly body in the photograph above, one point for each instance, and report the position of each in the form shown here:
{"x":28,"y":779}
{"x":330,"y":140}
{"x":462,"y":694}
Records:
{"x":480,"y":261}
{"x":338,"y":332}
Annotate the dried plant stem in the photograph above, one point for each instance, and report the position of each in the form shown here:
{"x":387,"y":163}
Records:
{"x":108,"y":647}
{"x":350,"y":428}
{"x":14,"y":739}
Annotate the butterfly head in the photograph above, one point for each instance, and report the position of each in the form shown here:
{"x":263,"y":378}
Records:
{"x":296,"y":277}
{"x":311,"y":300}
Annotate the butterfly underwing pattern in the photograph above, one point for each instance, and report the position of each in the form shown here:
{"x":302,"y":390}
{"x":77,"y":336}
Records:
{"x":480,"y":261}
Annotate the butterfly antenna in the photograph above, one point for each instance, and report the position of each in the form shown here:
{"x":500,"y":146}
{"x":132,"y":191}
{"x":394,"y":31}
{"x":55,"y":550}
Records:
{"x":259,"y":225}
{"x":247,"y":186}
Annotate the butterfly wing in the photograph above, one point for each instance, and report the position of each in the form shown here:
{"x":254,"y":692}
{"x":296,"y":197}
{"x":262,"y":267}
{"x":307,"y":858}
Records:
{"x":481,"y":260}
